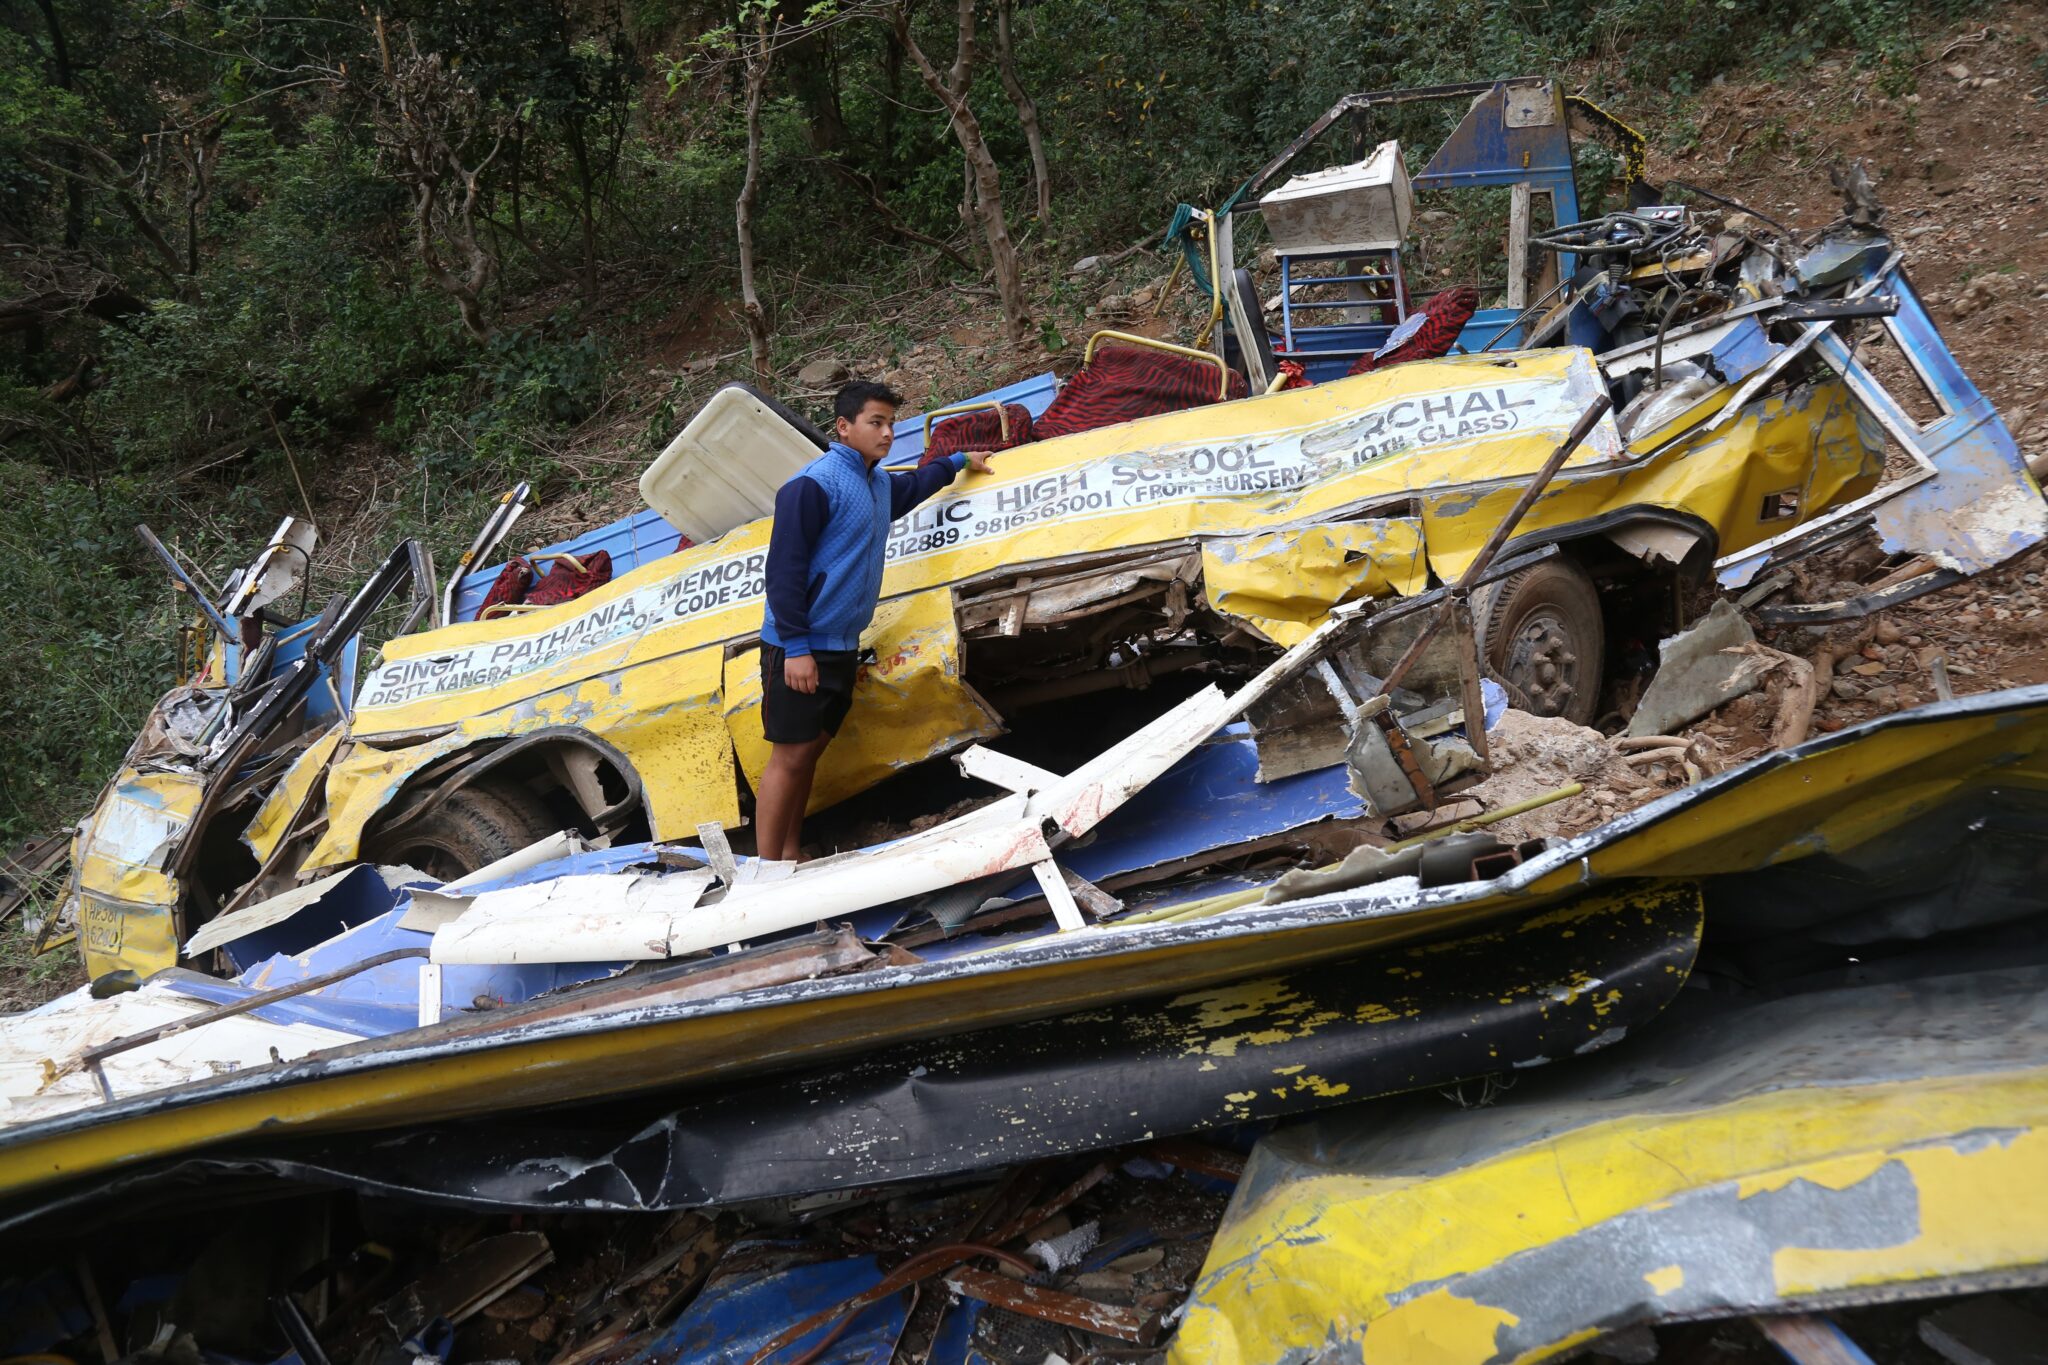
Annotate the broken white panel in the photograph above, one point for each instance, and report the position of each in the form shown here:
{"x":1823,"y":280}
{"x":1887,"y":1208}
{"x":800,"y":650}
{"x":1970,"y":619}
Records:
{"x":436,"y":906}
{"x":277,"y":568}
{"x":613,"y":916}
{"x":1001,"y":770}
{"x":281,"y":907}
{"x":430,"y":993}
{"x":40,"y":1074}
{"x":1066,"y":912}
{"x":593,"y":917}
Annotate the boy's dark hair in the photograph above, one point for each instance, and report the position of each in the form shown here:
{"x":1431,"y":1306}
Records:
{"x":859,"y":394}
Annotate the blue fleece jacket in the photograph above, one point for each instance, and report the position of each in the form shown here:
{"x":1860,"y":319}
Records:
{"x":825,"y":549}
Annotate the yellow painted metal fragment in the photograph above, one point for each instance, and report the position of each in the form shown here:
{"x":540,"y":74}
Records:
{"x":1284,"y":583}
{"x":361,"y":781}
{"x":1981,"y":1204}
{"x":127,"y":902}
{"x":284,"y":800}
{"x":1439,"y":1326}
{"x":1332,"y":1258}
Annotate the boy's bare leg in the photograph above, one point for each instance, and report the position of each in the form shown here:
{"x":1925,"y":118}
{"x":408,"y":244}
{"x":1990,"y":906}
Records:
{"x":785,"y":792}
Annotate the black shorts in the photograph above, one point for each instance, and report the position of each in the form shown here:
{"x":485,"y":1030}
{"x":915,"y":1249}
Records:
{"x":798,"y":718}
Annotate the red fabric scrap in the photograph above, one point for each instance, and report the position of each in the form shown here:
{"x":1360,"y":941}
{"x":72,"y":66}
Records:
{"x":1123,"y":383}
{"x":1443,"y":318}
{"x":564,"y":584}
{"x":978,"y":430}
{"x":508,"y":588}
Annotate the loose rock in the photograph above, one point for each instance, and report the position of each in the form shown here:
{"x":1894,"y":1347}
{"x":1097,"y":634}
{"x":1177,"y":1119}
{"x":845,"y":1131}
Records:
{"x":821,"y":374}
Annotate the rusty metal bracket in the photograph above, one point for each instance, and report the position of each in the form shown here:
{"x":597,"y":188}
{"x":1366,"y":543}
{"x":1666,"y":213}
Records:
{"x":1856,"y":608}
{"x":1404,"y":754}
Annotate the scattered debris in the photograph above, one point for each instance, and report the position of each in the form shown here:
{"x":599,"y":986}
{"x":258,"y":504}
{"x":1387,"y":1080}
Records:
{"x":1701,"y":669}
{"x":1251,"y":815}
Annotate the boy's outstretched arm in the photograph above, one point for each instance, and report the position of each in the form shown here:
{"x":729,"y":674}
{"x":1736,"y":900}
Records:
{"x":908,"y":489}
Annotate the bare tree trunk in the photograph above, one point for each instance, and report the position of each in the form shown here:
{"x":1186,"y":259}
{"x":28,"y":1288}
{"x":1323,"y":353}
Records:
{"x":426,"y":115}
{"x":760,"y":55}
{"x":1027,"y":111}
{"x":74,"y":192}
{"x":586,"y":210}
{"x":951,"y":90}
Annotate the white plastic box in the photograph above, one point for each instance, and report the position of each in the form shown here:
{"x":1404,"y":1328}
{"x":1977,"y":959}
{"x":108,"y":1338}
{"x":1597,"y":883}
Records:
{"x":1360,"y":207}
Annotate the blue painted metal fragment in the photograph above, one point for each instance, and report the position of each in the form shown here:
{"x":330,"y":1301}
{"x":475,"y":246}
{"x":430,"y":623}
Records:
{"x":1211,"y":799}
{"x":357,"y":897}
{"x":736,"y":1316}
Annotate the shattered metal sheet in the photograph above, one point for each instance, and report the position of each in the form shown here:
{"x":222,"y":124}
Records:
{"x":735,"y":1317}
{"x":1558,"y":984}
{"x":1830,"y":795}
{"x":1969,"y":504}
{"x":1743,"y":1156}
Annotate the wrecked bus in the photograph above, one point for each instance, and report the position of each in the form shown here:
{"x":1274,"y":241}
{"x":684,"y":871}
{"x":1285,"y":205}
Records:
{"x":1350,"y":441}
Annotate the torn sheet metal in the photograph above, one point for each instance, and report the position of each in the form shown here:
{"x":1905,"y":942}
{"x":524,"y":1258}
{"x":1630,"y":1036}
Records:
{"x":1395,"y":771}
{"x":357,"y":895}
{"x":288,"y":797}
{"x":1698,"y":669}
{"x":1969,"y":504}
{"x":1829,"y":796}
{"x":40,"y":1074}
{"x":1745,"y":1156}
{"x":1558,"y":984}
{"x":126,"y":896}
{"x":910,"y":705}
{"x":1284,"y":582}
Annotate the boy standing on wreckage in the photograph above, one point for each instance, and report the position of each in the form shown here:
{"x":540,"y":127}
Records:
{"x":825,"y":556}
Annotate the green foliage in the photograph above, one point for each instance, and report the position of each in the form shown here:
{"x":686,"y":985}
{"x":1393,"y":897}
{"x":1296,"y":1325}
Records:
{"x":88,"y":647}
